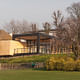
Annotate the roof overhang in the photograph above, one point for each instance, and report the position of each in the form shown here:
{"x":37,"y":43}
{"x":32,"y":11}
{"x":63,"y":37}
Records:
{"x":32,"y":36}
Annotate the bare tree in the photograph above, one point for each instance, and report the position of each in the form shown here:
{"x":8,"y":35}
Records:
{"x":23,"y":26}
{"x":11,"y":27}
{"x":74,"y":10}
{"x":74,"y":27}
{"x":57,"y":19}
{"x":63,"y":31}
{"x":58,"y":22}
{"x":17,"y":27}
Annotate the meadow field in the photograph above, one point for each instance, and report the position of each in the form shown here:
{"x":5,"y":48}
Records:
{"x":30,"y":74}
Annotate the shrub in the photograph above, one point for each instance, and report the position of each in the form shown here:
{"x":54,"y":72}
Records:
{"x":59,"y":64}
{"x":78,"y":65}
{"x":50,"y":64}
{"x":66,"y":64}
{"x":68,"y":59}
{"x":54,"y":64}
{"x":69,"y":65}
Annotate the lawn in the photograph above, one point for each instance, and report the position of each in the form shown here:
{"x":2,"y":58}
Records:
{"x":38,"y":75}
{"x":33,"y":58}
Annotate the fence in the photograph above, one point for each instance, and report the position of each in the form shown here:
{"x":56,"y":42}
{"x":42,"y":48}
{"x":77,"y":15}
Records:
{"x":61,"y":50}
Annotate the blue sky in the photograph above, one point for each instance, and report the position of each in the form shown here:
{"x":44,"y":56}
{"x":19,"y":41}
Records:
{"x":37,"y":11}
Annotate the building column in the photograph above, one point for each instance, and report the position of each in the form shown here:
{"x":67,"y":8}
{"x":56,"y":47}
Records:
{"x":38,"y":43}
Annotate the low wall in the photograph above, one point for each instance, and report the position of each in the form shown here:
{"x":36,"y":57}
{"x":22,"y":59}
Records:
{"x":9,"y":66}
{"x":6,"y":66}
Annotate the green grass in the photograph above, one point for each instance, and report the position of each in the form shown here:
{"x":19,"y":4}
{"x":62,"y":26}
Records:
{"x":34,"y":58}
{"x":38,"y":75}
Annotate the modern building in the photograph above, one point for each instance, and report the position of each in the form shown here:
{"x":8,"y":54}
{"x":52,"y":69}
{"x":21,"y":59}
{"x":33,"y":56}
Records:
{"x":24,"y":44}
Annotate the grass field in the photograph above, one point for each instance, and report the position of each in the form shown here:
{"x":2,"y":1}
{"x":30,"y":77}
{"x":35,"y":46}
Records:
{"x":38,"y":75}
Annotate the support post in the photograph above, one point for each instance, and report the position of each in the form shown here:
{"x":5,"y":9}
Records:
{"x":13,"y":37}
{"x":38,"y":43}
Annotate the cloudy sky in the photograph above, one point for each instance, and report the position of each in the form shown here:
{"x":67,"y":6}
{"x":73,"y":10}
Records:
{"x":31,"y":10}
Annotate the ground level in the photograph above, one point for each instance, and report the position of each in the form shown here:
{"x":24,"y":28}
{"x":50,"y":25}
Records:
{"x":38,"y":75}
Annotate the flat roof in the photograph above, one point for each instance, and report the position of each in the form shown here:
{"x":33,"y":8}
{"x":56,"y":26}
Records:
{"x":32,"y":36}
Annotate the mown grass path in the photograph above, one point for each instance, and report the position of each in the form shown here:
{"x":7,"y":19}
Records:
{"x":38,"y":75}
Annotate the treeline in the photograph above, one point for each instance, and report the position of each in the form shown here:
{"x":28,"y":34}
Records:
{"x":16,"y":26}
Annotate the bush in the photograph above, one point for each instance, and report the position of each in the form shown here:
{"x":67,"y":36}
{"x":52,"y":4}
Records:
{"x":54,"y":64}
{"x":69,"y":65}
{"x":78,"y":65}
{"x":50,"y":64}
{"x":59,"y":64}
{"x":68,"y":59}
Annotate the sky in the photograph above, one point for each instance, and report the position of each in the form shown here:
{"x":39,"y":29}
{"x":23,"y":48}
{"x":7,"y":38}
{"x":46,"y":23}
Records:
{"x":36,"y":11}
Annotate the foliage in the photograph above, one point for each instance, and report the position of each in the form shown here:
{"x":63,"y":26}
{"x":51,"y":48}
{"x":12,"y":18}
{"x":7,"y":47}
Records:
{"x":50,"y":64}
{"x":59,"y":64}
{"x":78,"y":65}
{"x":62,"y":64}
{"x":69,"y":66}
{"x":54,"y":64}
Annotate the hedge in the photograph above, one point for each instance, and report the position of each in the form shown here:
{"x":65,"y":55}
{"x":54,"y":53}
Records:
{"x":62,"y":64}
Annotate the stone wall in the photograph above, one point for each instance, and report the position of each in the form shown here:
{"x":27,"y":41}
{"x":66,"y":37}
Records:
{"x":9,"y":66}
